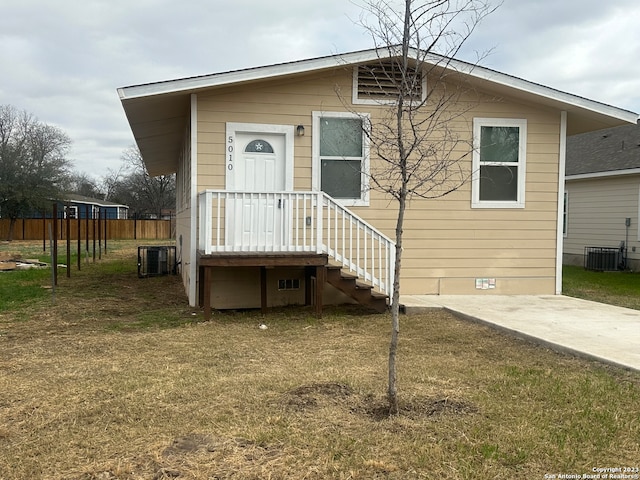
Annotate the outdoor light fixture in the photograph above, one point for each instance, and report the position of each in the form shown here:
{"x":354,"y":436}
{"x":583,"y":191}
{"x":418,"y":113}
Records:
{"x":300,"y":130}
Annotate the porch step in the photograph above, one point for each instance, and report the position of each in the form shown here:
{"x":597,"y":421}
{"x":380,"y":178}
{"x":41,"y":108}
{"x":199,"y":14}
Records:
{"x":350,"y":285}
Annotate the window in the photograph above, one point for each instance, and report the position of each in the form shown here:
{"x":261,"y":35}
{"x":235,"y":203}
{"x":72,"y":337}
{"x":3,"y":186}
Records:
{"x":289,"y":284}
{"x":499,"y":163}
{"x":259,"y":146}
{"x":340,"y":156}
{"x":71,"y":212}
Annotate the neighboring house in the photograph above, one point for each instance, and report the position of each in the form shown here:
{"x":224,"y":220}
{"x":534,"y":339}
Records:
{"x":110,"y":210}
{"x":266,"y":196}
{"x":602,"y":196}
{"x":83,"y":207}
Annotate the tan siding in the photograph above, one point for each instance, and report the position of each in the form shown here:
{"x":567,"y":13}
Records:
{"x":498,"y":273}
{"x":469,"y":248}
{"x":516,"y":285}
{"x":212,"y":171}
{"x":501,"y":259}
{"x":447,"y":243}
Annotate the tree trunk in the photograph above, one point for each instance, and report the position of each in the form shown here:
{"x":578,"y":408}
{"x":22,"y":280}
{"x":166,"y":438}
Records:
{"x":12,"y":224}
{"x":392,"y":394}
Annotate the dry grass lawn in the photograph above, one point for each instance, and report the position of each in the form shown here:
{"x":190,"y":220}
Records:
{"x":120,"y":380}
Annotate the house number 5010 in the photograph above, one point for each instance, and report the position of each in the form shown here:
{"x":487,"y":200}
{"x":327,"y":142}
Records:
{"x":230,"y":153}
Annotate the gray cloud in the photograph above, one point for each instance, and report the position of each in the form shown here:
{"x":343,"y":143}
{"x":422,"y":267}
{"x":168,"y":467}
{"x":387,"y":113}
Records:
{"x":62,"y":61}
{"x":589,"y":48}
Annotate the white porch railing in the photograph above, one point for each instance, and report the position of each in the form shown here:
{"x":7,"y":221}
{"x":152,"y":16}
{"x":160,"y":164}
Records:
{"x":295,"y":222}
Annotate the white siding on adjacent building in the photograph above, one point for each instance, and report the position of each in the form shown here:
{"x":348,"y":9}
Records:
{"x":597,"y":209}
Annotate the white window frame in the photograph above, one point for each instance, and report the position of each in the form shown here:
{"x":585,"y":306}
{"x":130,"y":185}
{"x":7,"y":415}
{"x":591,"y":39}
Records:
{"x":73,"y":208}
{"x":316,"y":183}
{"x":478,"y":123}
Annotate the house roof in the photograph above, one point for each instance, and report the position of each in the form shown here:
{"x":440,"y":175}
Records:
{"x":158,"y":112}
{"x":612,"y":151}
{"x":72,"y":197}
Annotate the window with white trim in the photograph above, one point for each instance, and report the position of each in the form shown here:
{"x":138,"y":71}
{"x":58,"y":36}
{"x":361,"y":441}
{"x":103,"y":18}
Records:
{"x":499,"y":162}
{"x":71,"y":212}
{"x":341,"y":156}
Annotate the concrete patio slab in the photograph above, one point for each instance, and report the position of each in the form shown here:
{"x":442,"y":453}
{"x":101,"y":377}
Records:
{"x":603,"y":332}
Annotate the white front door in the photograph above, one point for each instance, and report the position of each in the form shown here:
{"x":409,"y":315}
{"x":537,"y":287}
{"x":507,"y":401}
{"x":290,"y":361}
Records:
{"x":257,"y":217}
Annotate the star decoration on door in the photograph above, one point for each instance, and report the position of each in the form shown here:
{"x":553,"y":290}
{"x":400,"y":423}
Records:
{"x":259,"y":146}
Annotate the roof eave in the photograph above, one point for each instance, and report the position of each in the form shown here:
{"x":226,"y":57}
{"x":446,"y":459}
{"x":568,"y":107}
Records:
{"x":559,"y":99}
{"x":98,"y":203}
{"x":609,"y":173}
{"x":583,"y":114}
{"x":185,"y":85}
{"x":564,"y":100}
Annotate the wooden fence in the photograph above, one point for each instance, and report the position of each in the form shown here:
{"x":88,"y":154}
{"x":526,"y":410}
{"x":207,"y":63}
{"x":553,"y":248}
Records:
{"x":37,"y":229}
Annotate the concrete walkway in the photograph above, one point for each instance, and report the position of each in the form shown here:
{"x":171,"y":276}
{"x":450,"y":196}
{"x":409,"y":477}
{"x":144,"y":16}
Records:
{"x":603,"y":332}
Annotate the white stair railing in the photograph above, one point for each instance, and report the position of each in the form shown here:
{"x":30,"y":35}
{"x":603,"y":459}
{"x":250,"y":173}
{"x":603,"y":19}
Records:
{"x":357,"y":246}
{"x":296,"y":221}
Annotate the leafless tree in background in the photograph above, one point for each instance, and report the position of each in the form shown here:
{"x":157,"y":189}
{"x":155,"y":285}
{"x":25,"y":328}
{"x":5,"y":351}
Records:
{"x":33,"y":164}
{"x":133,"y":186}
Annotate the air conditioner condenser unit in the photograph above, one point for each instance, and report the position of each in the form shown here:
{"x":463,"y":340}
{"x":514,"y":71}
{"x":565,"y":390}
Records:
{"x":156,"y":260}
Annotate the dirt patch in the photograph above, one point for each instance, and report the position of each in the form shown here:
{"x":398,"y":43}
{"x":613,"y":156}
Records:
{"x":330,"y":390}
{"x":186,"y":452}
{"x":417,"y":408}
{"x":189,"y":444}
{"x":317,"y":394}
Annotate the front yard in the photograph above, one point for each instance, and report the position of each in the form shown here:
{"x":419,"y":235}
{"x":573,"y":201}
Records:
{"x":121,"y":380}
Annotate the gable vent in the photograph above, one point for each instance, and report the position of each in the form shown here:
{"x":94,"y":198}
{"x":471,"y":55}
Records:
{"x":379,"y":83}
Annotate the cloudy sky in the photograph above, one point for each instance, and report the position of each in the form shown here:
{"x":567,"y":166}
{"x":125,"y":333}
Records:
{"x":63,"y":60}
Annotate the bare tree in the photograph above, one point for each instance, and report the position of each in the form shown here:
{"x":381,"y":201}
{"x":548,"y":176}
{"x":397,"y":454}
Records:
{"x":132,"y":185}
{"x":33,"y":164}
{"x":82,"y":184}
{"x":419,"y":151}
{"x":111,"y":183}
